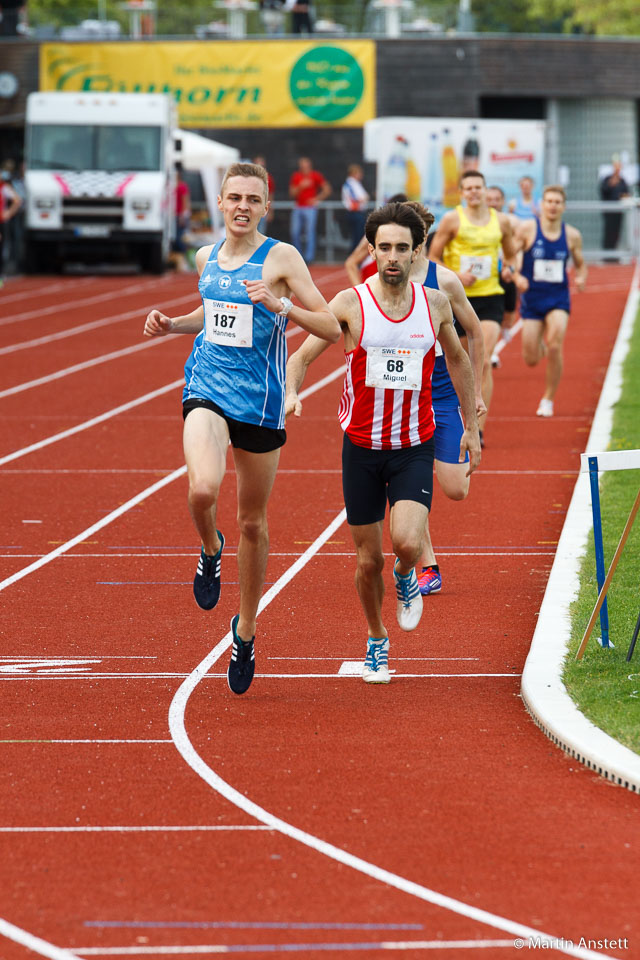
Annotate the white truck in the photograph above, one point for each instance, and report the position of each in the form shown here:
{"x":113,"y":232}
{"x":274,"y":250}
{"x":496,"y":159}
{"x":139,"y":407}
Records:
{"x":100,"y":179}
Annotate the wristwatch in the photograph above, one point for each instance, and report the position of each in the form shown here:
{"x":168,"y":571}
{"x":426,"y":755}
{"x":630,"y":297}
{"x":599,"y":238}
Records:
{"x":286,"y":306}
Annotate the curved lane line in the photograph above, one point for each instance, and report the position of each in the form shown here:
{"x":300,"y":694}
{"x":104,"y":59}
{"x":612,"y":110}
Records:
{"x":194,"y":760}
{"x":35,"y":944}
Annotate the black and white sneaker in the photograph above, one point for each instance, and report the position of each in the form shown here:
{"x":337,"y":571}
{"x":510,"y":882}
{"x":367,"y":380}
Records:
{"x":243,"y":663}
{"x":206,"y":584}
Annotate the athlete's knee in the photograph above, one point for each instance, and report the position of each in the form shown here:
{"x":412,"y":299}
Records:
{"x":530,"y":355}
{"x":554,"y":346}
{"x":253,"y":527}
{"x":203,"y":492}
{"x":457,"y":491}
{"x":408,"y":547}
{"x":369,"y":565}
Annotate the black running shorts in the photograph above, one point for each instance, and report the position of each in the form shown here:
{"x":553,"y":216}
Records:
{"x":370,"y":478}
{"x":487,"y":308}
{"x":244,"y":436}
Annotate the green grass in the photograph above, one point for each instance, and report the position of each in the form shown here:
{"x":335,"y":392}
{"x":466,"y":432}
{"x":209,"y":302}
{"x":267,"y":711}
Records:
{"x":604,"y":686}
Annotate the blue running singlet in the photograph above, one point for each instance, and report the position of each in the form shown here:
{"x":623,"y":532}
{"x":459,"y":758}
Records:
{"x":239,"y":358}
{"x":446,"y":406}
{"x":442,"y":390}
{"x":545,"y":267}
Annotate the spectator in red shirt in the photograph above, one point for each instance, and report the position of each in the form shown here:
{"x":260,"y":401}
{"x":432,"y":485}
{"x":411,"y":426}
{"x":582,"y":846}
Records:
{"x":182,"y":198}
{"x":308,"y":188}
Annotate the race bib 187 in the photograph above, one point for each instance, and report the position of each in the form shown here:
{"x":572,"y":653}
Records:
{"x":228,"y":324}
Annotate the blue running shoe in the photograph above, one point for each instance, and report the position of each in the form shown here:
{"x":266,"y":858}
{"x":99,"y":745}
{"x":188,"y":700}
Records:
{"x":429,"y":581}
{"x":409,"y":606}
{"x":206,"y":584}
{"x":376,"y":664}
{"x":243,"y":662}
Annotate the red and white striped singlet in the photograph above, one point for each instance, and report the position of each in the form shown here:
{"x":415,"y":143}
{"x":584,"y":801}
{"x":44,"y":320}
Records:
{"x":383,"y":418}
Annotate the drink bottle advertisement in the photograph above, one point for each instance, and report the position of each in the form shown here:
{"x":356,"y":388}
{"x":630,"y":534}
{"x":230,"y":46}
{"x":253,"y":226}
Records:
{"x":424,"y":158}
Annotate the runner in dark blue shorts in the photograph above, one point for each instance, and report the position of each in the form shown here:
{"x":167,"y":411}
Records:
{"x":547,"y":246}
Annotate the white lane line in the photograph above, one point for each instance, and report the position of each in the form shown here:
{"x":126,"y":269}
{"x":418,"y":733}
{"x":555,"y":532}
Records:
{"x":84,"y":327}
{"x":54,"y":438}
{"x":45,"y":290}
{"x":35,"y":944}
{"x":230,"y":553}
{"x":306,"y":948}
{"x":78,"y":367}
{"x":143,"y":495}
{"x":177,"y":726}
{"x":85,"y":741}
{"x":87,"y":424}
{"x":220,"y":828}
{"x":104,"y":522}
{"x":61,"y":675}
{"x":74,"y":304}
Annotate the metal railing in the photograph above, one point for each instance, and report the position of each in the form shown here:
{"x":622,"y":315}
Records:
{"x":587,"y":215}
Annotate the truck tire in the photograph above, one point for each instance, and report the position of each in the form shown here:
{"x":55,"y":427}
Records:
{"x":155,"y":258}
{"x":33,"y":257}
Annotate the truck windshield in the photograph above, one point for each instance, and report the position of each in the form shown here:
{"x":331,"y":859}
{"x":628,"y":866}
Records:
{"x":75,"y":147}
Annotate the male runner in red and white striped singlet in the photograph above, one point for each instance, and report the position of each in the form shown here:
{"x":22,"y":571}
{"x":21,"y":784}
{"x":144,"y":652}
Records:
{"x":390,"y":327}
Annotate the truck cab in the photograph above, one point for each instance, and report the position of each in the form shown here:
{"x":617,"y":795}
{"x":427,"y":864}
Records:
{"x":100,"y":179}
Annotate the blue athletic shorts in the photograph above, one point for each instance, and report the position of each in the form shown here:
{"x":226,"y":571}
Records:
{"x":370,"y":478}
{"x":536,"y":308}
{"x":449,"y":430}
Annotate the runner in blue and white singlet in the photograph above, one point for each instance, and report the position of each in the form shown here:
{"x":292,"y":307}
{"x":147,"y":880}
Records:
{"x":238,"y":360}
{"x":235,"y":390}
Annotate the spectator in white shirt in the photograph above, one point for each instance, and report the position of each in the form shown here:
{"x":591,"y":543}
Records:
{"x":355,"y":199}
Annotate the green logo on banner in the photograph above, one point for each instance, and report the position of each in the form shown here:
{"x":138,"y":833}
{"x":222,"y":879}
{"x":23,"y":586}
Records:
{"x":326,"y":84}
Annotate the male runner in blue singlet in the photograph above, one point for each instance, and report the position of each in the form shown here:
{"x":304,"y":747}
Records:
{"x":547,"y":245}
{"x":453,"y":473}
{"x":234,"y":389}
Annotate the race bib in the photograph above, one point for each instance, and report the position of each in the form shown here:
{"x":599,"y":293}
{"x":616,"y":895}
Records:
{"x":228,"y":324}
{"x":394,"y":368}
{"x":548,"y":271}
{"x":480,"y":267}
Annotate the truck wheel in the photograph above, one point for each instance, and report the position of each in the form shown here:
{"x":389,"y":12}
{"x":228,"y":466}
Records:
{"x":33,"y":258}
{"x":155,"y":258}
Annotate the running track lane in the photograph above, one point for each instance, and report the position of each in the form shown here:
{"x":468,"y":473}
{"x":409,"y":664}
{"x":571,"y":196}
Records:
{"x":443,"y":780}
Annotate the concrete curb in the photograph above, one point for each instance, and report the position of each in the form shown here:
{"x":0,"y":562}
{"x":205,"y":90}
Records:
{"x":543,"y":691}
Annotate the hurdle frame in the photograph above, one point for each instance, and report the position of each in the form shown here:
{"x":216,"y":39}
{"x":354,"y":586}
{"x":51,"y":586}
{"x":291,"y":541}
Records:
{"x":594,"y":464}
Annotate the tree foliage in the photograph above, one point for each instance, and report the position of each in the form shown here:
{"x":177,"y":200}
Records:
{"x":179,"y":17}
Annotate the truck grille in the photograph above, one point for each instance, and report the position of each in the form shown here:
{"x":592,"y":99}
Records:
{"x":77,"y":211}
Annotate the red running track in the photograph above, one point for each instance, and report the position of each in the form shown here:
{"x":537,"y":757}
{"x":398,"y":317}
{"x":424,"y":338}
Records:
{"x":112,"y":845}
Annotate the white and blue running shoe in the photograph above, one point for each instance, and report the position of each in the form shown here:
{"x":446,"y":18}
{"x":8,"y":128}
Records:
{"x":376,"y":664}
{"x":409,"y":607}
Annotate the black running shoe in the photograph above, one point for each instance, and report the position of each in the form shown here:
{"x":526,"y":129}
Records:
{"x":206,"y":584}
{"x":243,"y":663}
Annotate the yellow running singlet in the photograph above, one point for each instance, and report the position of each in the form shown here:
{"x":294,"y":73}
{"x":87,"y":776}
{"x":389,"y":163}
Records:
{"x":476,"y":248}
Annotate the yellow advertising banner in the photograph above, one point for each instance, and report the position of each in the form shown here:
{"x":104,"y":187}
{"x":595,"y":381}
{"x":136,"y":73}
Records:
{"x":271,"y":83}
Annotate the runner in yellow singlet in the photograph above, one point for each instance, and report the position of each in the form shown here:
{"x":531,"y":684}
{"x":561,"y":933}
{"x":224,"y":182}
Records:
{"x":468,"y":241}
